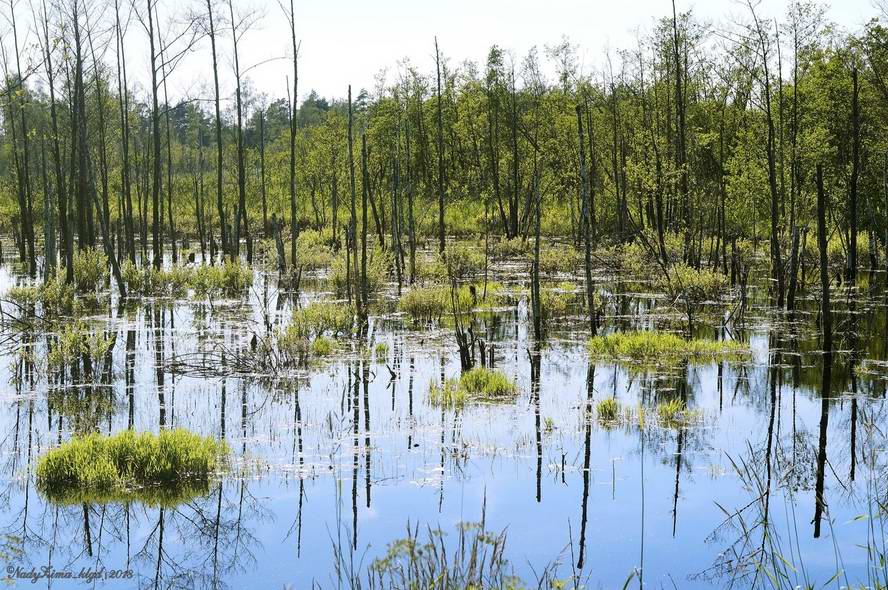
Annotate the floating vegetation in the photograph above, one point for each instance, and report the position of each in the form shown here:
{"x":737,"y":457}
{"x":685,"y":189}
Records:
{"x":675,"y":414}
{"x":608,"y":410}
{"x":381,"y":350}
{"x":476,"y":385}
{"x":153,"y":468}
{"x":662,"y":347}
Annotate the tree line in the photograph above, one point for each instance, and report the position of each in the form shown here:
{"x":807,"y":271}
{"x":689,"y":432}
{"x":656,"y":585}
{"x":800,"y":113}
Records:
{"x":699,"y":134}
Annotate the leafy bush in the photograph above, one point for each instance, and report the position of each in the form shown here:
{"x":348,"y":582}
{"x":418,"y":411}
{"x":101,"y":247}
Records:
{"x":322,"y":346}
{"x":90,"y":270}
{"x":75,"y":341}
{"x":313,"y":250}
{"x":230,"y":279}
{"x":151,"y":282}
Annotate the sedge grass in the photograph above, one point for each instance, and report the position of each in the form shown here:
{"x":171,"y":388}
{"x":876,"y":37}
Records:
{"x":662,"y":347}
{"x":130,"y":465}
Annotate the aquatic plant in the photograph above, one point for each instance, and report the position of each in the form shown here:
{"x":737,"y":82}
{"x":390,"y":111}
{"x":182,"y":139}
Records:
{"x":425,"y":304}
{"x":487,"y":384}
{"x":77,"y":340}
{"x":229,"y":279}
{"x":608,"y":409}
{"x":123,"y":465}
{"x":478,"y":384}
{"x":662,"y":347}
{"x":90,"y":270}
{"x":322,"y":346}
{"x":322,"y":317}
{"x":152,"y":282}
{"x":674,"y":413}
{"x":381,"y":350}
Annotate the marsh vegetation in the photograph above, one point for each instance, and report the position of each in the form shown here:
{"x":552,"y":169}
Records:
{"x":483,"y":326}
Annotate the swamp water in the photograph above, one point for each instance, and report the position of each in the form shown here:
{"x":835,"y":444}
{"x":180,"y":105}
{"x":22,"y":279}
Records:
{"x":333,"y":463}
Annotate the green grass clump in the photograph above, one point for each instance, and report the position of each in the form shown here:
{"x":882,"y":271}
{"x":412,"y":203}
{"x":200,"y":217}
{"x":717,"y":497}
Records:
{"x":381,"y":350}
{"x":478,"y":384}
{"x":608,"y":410}
{"x":322,"y":346}
{"x":322,"y":317}
{"x":674,"y":413}
{"x":124,"y":466}
{"x":661,"y":347}
{"x":448,"y":393}
{"x":425,"y":304}
{"x":487,"y":383}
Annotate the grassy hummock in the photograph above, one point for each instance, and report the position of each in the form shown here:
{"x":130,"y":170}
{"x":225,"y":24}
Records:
{"x":662,"y":347}
{"x":127,"y":466}
{"x":478,"y":384}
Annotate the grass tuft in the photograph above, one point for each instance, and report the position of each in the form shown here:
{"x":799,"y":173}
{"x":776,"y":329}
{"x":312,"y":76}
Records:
{"x":129,"y":466}
{"x":478,"y":384}
{"x":662,"y":347}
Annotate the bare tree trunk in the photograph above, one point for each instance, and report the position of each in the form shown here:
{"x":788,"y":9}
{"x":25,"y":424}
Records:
{"x":220,"y":206}
{"x":294,"y":210}
{"x":442,"y":244}
{"x":825,"y":314}
{"x":855,"y":174}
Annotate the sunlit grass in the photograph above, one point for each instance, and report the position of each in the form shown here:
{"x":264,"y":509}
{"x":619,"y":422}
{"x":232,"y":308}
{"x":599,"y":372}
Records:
{"x":478,"y":384}
{"x":662,"y":347}
{"x":129,"y":465}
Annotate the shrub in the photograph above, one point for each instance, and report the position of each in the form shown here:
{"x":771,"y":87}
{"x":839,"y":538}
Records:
{"x":122,"y":464}
{"x":230,"y":279}
{"x":322,"y":346}
{"x":313,"y":250}
{"x":151,"y":282}
{"x":76,"y":340}
{"x":90,"y":270}
{"x":563,"y":259}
